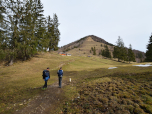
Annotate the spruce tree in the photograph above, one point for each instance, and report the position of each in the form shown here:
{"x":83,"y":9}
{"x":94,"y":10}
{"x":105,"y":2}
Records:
{"x":27,"y":25}
{"x":119,"y":50}
{"x":2,"y":12}
{"x":149,"y":51}
{"x":14,"y":33}
{"x":41,"y":27}
{"x":26,"y":31}
{"x":5,"y":30}
{"x":56,"y":32}
{"x":50,"y":32}
{"x":53,"y":32}
{"x":2,"y":31}
{"x":92,"y":48}
{"x":103,"y":52}
{"x":116,"y":52}
{"x":124,"y":54}
{"x":131,"y":56}
{"x":107,"y":53}
{"x":94,"y":51}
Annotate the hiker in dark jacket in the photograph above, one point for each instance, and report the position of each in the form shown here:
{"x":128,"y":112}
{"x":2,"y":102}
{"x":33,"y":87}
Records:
{"x":60,"y":74}
{"x":46,"y":77}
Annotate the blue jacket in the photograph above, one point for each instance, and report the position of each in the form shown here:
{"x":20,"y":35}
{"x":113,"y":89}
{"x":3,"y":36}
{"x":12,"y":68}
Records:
{"x":60,"y":73}
{"x":46,"y":74}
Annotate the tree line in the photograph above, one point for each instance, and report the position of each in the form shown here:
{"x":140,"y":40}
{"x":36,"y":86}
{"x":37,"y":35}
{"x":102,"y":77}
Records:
{"x":24,"y":30}
{"x":120,"y":52}
{"x":123,"y":53}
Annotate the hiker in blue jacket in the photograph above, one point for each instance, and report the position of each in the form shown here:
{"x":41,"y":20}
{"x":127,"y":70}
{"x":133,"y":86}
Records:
{"x":46,"y":77}
{"x":60,"y":75}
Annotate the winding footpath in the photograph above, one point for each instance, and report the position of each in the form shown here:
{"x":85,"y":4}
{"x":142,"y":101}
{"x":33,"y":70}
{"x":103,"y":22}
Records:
{"x":45,"y":102}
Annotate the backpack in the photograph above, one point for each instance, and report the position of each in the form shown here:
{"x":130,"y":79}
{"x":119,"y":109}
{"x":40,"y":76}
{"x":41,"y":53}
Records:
{"x":44,"y":74}
{"x":60,"y":73}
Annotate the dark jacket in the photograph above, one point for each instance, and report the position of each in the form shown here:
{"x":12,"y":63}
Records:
{"x":60,"y":73}
{"x":46,"y":75}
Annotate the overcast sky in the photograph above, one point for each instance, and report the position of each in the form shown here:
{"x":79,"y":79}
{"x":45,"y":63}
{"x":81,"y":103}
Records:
{"x":107,"y":19}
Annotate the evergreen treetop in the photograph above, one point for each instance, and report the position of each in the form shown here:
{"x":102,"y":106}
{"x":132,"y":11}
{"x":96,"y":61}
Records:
{"x":149,"y":51}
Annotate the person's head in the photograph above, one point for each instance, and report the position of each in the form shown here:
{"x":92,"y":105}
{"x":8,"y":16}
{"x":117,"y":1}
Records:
{"x":60,"y":68}
{"x":48,"y":68}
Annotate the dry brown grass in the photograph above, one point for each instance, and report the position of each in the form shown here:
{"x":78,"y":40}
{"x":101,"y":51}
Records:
{"x":84,"y":49}
{"x":124,"y":90}
{"x":23,"y":80}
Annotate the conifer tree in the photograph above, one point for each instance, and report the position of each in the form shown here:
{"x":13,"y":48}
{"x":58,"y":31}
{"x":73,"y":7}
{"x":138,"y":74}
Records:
{"x":27,"y":25}
{"x":131,"y":56}
{"x":53,"y":32}
{"x":26,"y":31}
{"x":149,"y":51}
{"x":92,"y":48}
{"x":2,"y":12}
{"x":103,"y":53}
{"x":116,"y":52}
{"x":107,"y":53}
{"x":56,"y":32}
{"x":2,"y":38}
{"x":50,"y":32}
{"x":14,"y":33}
{"x":124,"y":54}
{"x":94,"y":51}
{"x":119,"y":50}
{"x":41,"y":27}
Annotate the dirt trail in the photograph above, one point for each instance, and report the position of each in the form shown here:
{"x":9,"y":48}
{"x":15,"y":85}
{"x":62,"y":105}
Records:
{"x":45,"y":102}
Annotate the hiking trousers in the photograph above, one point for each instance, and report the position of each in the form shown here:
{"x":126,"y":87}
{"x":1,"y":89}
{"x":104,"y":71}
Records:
{"x":60,"y":82}
{"x":45,"y":84}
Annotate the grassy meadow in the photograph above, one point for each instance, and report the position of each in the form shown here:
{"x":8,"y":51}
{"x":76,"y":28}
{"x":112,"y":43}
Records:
{"x":124,"y":90}
{"x":127,"y":89}
{"x":20,"y":82}
{"x":94,"y":88}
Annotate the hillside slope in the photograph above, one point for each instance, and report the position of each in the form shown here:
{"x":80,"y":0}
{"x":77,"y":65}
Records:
{"x":83,"y":46}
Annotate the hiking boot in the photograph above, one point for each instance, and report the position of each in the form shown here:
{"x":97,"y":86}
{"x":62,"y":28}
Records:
{"x":43,"y":88}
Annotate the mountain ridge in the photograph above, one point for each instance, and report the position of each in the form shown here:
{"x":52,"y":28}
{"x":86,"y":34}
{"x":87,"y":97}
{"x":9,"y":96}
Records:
{"x":84,"y":44}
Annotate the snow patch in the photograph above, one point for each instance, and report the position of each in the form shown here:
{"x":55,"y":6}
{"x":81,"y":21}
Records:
{"x":146,"y":65}
{"x":112,"y":67}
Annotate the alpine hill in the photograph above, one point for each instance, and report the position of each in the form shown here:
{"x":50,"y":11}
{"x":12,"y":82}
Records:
{"x":93,"y":45}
